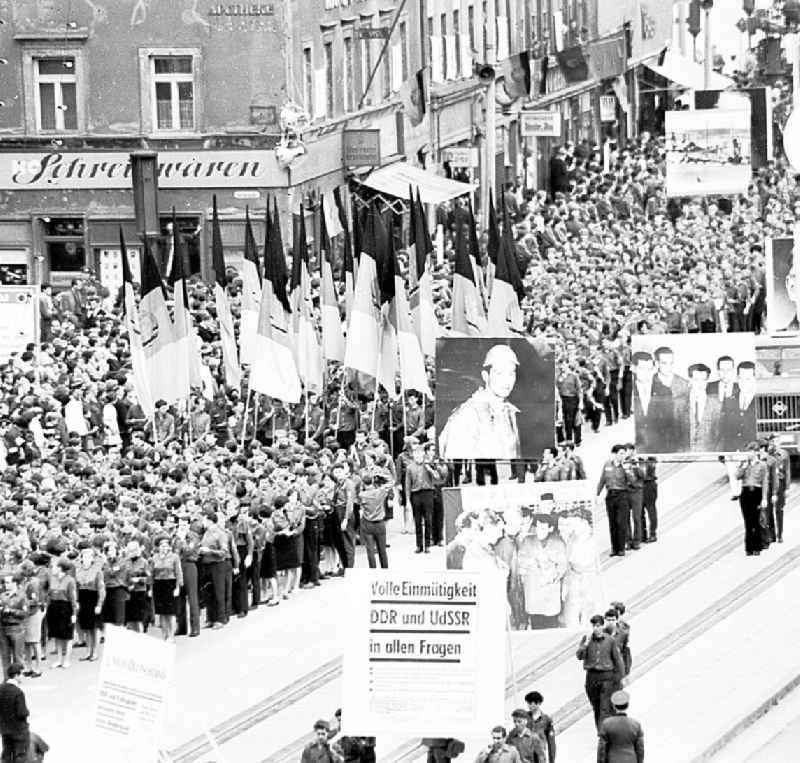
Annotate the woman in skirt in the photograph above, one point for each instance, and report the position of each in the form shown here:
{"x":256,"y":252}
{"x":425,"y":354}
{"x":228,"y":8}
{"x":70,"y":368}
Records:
{"x":288,"y":552}
{"x":137,"y":569}
{"x":167,"y":582}
{"x":62,"y":607}
{"x":115,"y":578}
{"x":91,"y":593}
{"x":267,"y":572}
{"x":33,"y":623}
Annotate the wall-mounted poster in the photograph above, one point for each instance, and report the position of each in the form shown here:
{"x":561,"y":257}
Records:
{"x":541,"y":536}
{"x":782,"y":294}
{"x":495,"y":398}
{"x":694,"y":393}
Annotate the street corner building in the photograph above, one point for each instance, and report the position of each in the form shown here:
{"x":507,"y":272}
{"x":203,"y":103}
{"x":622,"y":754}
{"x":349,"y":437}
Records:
{"x":495,"y":399}
{"x":694,"y":393}
{"x":541,"y":536}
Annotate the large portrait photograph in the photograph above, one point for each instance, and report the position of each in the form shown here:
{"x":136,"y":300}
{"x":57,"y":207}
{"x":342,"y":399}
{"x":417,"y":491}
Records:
{"x":495,"y":398}
{"x":541,"y":536}
{"x":694,"y":393}
{"x":708,"y":151}
{"x":782,"y":295}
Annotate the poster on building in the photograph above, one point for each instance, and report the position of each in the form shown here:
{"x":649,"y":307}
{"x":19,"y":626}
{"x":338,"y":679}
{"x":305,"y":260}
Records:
{"x":19,"y":319}
{"x":540,"y":536}
{"x":708,"y":151}
{"x":782,"y":266}
{"x":694,"y":393}
{"x":495,"y":398}
{"x":425,"y":653}
{"x":136,"y":676}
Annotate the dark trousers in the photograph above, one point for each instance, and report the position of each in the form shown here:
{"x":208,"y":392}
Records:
{"x":611,"y":404}
{"x":635,"y":502}
{"x":114,"y":605}
{"x":240,"y":580}
{"x":569,"y":407}
{"x":373,"y":538}
{"x":736,"y":321}
{"x":437,"y":525}
{"x":227,"y":610}
{"x":310,"y":572}
{"x":254,"y":575}
{"x":189,"y":594}
{"x":422,"y":508}
{"x":707,"y":327}
{"x":600,"y":685}
{"x":15,"y":747}
{"x":593,"y":414}
{"x":626,"y":394}
{"x":215,"y":606}
{"x":349,"y":543}
{"x":484,"y":469}
{"x":334,"y":523}
{"x":750,"y":502}
{"x":617,"y":510}
{"x":650,"y":514}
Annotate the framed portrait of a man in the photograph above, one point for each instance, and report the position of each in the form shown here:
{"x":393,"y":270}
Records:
{"x":782,"y":265}
{"x":495,"y":399}
{"x":694,"y":393}
{"x":540,"y":536}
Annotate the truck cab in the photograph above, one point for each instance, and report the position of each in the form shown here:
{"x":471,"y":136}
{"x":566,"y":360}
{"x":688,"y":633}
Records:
{"x":778,"y":396}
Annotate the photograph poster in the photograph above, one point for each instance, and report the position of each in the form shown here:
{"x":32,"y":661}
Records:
{"x":694,"y":393}
{"x":782,"y":294}
{"x":541,"y":537}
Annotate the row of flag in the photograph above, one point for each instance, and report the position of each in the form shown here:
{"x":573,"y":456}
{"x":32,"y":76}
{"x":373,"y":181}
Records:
{"x":387,"y":331}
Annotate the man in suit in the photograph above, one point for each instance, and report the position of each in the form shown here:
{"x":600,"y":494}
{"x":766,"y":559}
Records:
{"x":620,"y":739}
{"x":738,"y":415}
{"x":669,"y":401}
{"x":703,"y":412}
{"x":14,"y":718}
{"x":725,"y":387}
{"x":643,"y":370}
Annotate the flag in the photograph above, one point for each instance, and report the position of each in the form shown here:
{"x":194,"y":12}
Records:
{"x":505,"y":315}
{"x":387,"y":367}
{"x":332,"y":334}
{"x":308,"y":352}
{"x":187,"y":348}
{"x":230,"y":355}
{"x":475,"y":258}
{"x":141,"y":387}
{"x":364,"y":328}
{"x":251,"y":292}
{"x":469,"y":318}
{"x":273,"y":371}
{"x":492,"y":245}
{"x":414,"y":94}
{"x":517,"y":75}
{"x":420,"y":281}
{"x":348,"y":274}
{"x":158,"y":335}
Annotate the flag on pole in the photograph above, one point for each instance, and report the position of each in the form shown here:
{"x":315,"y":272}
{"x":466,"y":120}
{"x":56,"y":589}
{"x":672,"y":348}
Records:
{"x":492,"y":244}
{"x":387,"y":352}
{"x":158,"y":335}
{"x":230,"y":355}
{"x":141,"y":387}
{"x":505,"y":315}
{"x":469,"y":318}
{"x":517,"y":75}
{"x":251,"y":292}
{"x":475,"y":259}
{"x":414,"y":96}
{"x":420,"y":280}
{"x":274,"y":370}
{"x":308,"y":352}
{"x":332,"y":334}
{"x":364,"y":329}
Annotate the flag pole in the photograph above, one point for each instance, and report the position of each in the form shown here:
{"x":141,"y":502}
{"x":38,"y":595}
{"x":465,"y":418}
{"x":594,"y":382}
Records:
{"x":246,"y":411}
{"x":377,"y":375}
{"x":255,"y":415}
{"x":391,"y":431}
{"x":306,"y":416}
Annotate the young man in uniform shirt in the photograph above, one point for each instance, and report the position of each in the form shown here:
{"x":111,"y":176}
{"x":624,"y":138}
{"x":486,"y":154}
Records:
{"x":525,"y":741}
{"x":541,"y":723}
{"x":603,"y":664}
{"x":319,"y":751}
{"x":614,"y":479}
{"x":753,"y":474}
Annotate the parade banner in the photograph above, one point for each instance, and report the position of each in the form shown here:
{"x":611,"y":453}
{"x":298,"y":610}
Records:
{"x":19,"y":314}
{"x":694,"y":393}
{"x":782,"y":294}
{"x":425,"y":653}
{"x":540,"y":536}
{"x":495,"y":398}
{"x":708,"y":151}
{"x":136,"y":675}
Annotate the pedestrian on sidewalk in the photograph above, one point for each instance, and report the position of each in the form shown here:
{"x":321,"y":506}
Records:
{"x":542,"y":724}
{"x":603,"y":664}
{"x":14,"y":717}
{"x":615,"y":481}
{"x":620,"y":739}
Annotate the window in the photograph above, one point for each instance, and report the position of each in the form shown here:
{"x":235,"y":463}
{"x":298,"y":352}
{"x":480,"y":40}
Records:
{"x":457,"y":42}
{"x":366,"y":67}
{"x":349,"y":81}
{"x":486,"y":22}
{"x":56,"y":104}
{"x":308,"y":81}
{"x":403,"y":50}
{"x":443,"y":32}
{"x":328,"y":48}
{"x":65,"y":243}
{"x":429,"y":40}
{"x":471,"y":25}
{"x":173,"y":90}
{"x":387,"y":67}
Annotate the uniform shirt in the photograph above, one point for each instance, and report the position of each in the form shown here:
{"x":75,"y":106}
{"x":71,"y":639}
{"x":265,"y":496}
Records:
{"x":569,"y":384}
{"x":63,"y":589}
{"x":242,"y":536}
{"x":167,"y":567}
{"x":187,"y":549}
{"x":600,"y":654}
{"x":543,"y":726}
{"x":319,"y":752}
{"x":421,"y":477}
{"x":635,"y":474}
{"x":115,"y":574}
{"x":373,"y":503}
{"x":505,"y":754}
{"x":215,"y":539}
{"x":613,"y":477}
{"x":752,"y":474}
{"x":527,"y":743}
{"x":91,"y":578}
{"x":139,"y":574}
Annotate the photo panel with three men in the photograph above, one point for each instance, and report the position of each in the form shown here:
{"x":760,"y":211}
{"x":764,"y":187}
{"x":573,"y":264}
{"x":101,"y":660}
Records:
{"x":694,"y":393}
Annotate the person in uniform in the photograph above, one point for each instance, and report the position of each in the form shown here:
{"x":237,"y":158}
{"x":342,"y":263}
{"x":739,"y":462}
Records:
{"x":541,"y":724}
{"x":783,"y":469}
{"x":649,"y":497}
{"x":498,"y":751}
{"x":620,"y":739}
{"x":614,"y":479}
{"x":603,"y":664}
{"x":634,"y":472}
{"x":753,"y":474}
{"x":485,"y":425}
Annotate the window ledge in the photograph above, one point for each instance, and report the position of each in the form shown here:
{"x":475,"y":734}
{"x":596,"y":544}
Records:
{"x":165,"y":135}
{"x":53,"y":35}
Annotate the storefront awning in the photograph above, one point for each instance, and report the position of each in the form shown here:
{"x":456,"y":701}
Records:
{"x":683,"y":71}
{"x":395,"y":179}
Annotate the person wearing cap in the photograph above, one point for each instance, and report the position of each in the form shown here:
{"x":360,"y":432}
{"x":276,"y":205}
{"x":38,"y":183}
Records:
{"x":603,"y":665}
{"x":319,"y":750}
{"x":620,"y":739}
{"x":752,"y":500}
{"x":526,"y":742}
{"x":485,"y":425}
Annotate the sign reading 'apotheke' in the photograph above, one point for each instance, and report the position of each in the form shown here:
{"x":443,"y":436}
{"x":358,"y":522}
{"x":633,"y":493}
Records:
{"x":176,"y":169}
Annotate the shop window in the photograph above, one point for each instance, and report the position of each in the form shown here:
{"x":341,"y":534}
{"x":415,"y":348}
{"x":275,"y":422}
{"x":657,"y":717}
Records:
{"x":173,"y":93}
{"x":56,"y":103}
{"x":66,"y":256}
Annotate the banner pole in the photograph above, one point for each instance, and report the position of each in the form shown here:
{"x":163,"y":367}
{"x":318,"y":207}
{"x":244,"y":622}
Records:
{"x":244,"y":418}
{"x":256,"y":404}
